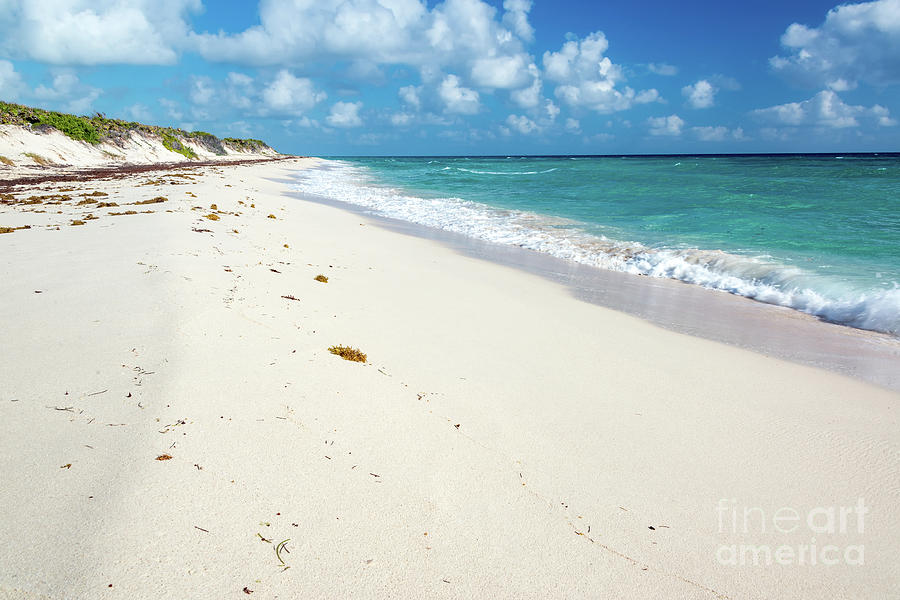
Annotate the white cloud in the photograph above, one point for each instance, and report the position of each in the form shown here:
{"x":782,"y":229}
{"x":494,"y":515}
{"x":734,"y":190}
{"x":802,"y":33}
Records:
{"x":173,"y":109}
{"x":522,"y":124}
{"x":201,"y":91}
{"x":530,"y":96}
{"x":78,"y":97}
{"x":288,"y":94}
{"x":700,"y":94}
{"x":454,"y":33}
{"x":857,"y":42}
{"x":89,"y":32}
{"x":139,"y":112}
{"x":410,"y":94}
{"x":710,"y":134}
{"x":239,"y":79}
{"x":516,"y":18}
{"x":718,"y":134}
{"x":588,"y":78}
{"x":670,"y":125}
{"x":502,"y":72}
{"x":825,"y":109}
{"x":551,"y":109}
{"x":401,"y":119}
{"x":573,"y":126}
{"x":11,"y":84}
{"x":648,"y":96}
{"x":663,"y":69}
{"x":345,"y":114}
{"x":458,"y":99}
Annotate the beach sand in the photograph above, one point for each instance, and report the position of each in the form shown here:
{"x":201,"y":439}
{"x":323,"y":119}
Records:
{"x":504,"y":439}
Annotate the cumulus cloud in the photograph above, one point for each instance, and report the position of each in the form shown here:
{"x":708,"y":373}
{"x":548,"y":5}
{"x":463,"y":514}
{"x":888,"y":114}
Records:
{"x":587,"y":78}
{"x":670,"y":125}
{"x":411,"y":95}
{"x":283,"y":95}
{"x":11,"y":84}
{"x":573,"y":125}
{"x":456,"y":98}
{"x":201,"y":90}
{"x":288,"y":94}
{"x":516,"y":18}
{"x":345,"y":114}
{"x":78,"y":97}
{"x":456,"y":33}
{"x":700,"y":94}
{"x":91,"y":32}
{"x":530,"y":96}
{"x":856,"y":43}
{"x":551,"y":110}
{"x":522,"y":124}
{"x":717,"y":134}
{"x":501,"y":72}
{"x":648,"y":96}
{"x":825,"y":109}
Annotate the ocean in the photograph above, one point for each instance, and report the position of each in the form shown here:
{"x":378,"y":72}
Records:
{"x":816,"y":233}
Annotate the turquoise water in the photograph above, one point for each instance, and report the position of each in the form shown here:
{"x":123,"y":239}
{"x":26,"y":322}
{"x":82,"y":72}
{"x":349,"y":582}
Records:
{"x":816,"y":233}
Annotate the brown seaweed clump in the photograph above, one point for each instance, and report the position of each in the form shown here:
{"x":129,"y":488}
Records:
{"x":348,"y":353}
{"x":321,"y":278}
{"x":212,"y":217}
{"x":156,"y":200}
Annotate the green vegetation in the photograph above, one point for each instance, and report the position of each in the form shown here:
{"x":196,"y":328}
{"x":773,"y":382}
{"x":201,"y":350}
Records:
{"x":247,"y":145}
{"x":170,"y":142}
{"x":99,"y":128}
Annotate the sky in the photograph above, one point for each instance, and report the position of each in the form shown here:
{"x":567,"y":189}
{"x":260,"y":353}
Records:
{"x":471,"y":77}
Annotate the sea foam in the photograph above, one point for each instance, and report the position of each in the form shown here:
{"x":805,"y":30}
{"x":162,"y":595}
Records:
{"x":758,"y":277}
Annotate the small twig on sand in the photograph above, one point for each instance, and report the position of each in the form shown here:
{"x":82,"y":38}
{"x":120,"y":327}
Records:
{"x":201,"y":529}
{"x":98,"y":393}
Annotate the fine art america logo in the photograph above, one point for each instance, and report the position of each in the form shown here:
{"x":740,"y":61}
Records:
{"x":826,"y":533}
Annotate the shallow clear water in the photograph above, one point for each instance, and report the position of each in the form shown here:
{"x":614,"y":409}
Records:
{"x":816,"y":233}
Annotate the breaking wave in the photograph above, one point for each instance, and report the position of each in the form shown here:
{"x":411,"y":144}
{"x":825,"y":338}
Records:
{"x":758,"y":277}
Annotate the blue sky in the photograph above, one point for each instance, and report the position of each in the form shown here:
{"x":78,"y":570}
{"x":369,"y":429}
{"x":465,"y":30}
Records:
{"x":364,"y":77}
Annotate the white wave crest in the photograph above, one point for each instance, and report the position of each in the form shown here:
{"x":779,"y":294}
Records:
{"x":756,"y":277}
{"x":501,"y":172}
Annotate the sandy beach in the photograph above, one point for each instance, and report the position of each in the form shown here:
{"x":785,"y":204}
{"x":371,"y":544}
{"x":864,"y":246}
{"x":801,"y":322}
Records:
{"x":170,"y":414}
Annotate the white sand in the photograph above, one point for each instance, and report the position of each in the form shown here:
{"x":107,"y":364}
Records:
{"x":579,"y":428}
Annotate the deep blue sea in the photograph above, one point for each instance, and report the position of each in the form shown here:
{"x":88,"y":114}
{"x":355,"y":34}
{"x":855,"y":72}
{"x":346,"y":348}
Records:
{"x":817,"y":233}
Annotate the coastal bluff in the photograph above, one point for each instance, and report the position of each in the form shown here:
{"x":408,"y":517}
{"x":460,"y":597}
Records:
{"x":35,"y":140}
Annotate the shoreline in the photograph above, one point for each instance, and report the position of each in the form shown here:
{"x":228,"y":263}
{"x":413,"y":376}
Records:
{"x":505,"y":439}
{"x":769,"y":329}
